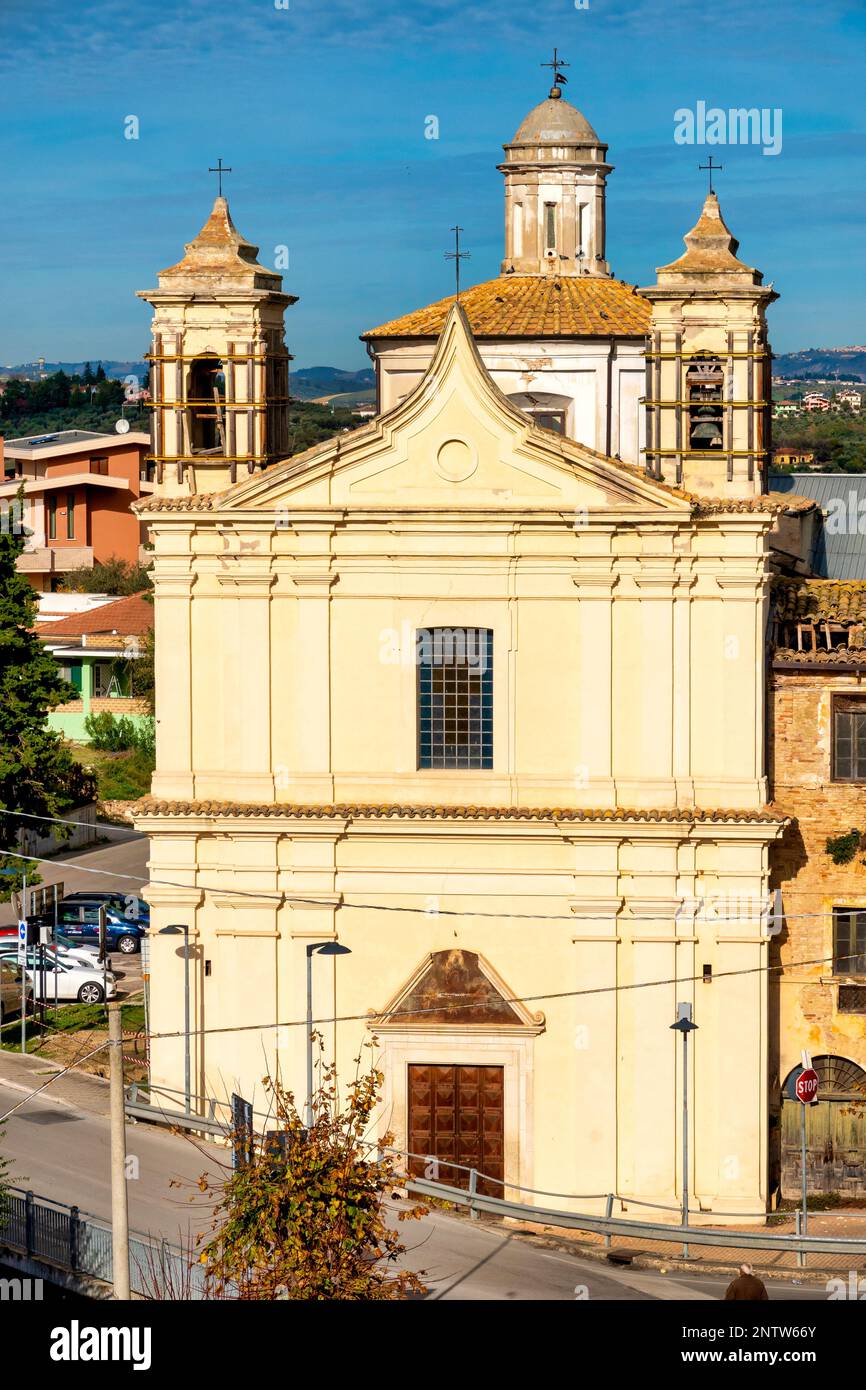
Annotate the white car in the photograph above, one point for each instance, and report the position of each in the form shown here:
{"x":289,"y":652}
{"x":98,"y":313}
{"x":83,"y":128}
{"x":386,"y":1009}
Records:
{"x":84,"y":955}
{"x":74,"y":981}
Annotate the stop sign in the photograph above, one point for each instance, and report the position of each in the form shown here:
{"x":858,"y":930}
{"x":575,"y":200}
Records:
{"x":806,"y":1086}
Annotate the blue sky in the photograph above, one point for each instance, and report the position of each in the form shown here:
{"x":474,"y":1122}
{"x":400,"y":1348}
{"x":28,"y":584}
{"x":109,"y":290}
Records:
{"x":320,"y":109}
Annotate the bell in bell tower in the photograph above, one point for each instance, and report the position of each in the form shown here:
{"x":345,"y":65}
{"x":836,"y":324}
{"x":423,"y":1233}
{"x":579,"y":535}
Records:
{"x":219,"y":375}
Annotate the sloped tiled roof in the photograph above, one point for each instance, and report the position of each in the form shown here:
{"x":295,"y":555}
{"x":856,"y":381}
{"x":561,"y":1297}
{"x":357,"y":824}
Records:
{"x":534,"y":306}
{"x":836,"y":656}
{"x":818,"y":600}
{"x":129,"y":617}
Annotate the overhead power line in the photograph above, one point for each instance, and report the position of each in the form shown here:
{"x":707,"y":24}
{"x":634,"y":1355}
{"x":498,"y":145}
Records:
{"x":279,"y":898}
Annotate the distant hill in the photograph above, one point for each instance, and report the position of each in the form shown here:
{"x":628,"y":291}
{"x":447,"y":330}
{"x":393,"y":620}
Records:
{"x":310,"y":383}
{"x":111,"y":369}
{"x":846,"y":363}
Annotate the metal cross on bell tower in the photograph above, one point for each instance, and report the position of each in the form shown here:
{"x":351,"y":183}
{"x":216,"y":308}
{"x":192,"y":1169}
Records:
{"x":457,"y":256}
{"x":713,"y":169}
{"x":219,"y":169}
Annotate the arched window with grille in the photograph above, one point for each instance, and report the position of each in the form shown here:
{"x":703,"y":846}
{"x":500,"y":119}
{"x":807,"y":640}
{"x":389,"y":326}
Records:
{"x":838,"y":1079}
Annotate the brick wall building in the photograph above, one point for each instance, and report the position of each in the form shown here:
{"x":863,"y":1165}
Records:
{"x":817,"y":762}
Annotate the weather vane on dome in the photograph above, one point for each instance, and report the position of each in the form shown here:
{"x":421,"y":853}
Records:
{"x":559,"y":77}
{"x":220,"y":169}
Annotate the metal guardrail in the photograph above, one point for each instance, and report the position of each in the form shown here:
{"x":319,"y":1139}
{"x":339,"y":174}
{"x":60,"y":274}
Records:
{"x":609,"y":1226}
{"x":44,"y":1229}
{"x":177,"y":1119}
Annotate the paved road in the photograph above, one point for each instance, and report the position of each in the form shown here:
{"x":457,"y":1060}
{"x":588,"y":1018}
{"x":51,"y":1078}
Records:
{"x":61,"y":1150}
{"x":127,"y":854}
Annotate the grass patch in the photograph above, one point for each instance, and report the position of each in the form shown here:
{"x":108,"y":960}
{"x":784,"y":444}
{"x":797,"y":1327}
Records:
{"x":119,"y":776}
{"x":69,"y":1018}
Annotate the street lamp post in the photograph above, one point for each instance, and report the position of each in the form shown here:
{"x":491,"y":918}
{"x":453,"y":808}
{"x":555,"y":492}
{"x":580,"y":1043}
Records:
{"x":183,"y":931}
{"x":322,"y":948}
{"x":685,"y":1026}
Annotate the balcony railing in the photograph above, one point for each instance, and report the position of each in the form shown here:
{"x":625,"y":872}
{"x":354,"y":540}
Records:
{"x":46,"y":559}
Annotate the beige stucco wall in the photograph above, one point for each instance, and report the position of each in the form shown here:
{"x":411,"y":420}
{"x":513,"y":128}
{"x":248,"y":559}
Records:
{"x":628,"y":639}
{"x":573,"y":370}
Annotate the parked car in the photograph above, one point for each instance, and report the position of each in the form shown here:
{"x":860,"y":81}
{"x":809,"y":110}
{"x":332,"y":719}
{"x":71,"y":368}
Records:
{"x":87,"y":956}
{"x":10,"y":990}
{"x":128,"y":905}
{"x":78,"y":920}
{"x":79,"y":950}
{"x":74,"y":981}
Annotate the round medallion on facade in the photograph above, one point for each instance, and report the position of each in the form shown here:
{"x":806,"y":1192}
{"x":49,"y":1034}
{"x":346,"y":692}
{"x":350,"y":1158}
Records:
{"x":456,"y":461}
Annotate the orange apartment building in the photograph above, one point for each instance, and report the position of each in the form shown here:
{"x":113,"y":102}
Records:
{"x":78,"y":487}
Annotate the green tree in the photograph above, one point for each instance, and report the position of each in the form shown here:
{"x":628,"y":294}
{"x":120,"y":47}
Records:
{"x":37,"y":773}
{"x":142,"y":671}
{"x":305,"y":1217}
{"x":111,"y":576}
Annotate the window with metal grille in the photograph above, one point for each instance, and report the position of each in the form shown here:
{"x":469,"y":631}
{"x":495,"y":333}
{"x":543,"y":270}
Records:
{"x":849,"y":739}
{"x":849,"y":941}
{"x":455,"y":697}
{"x":550,"y":226}
{"x":852,"y":999}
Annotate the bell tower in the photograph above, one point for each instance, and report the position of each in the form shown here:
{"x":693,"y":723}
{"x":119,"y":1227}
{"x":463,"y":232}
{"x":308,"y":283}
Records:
{"x":555,"y":175}
{"x":708,"y":367}
{"x":219,"y":376}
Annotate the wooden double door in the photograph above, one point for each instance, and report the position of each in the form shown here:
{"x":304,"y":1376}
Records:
{"x":457,"y":1116}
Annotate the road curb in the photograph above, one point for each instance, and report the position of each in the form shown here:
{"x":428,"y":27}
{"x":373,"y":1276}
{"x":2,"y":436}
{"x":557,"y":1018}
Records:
{"x":666,"y":1264}
{"x":658,"y":1264}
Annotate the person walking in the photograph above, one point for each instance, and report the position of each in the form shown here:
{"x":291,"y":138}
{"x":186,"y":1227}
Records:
{"x":747,"y":1287}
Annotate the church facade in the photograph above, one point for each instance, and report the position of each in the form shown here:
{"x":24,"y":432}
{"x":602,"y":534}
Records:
{"x":484,"y":706}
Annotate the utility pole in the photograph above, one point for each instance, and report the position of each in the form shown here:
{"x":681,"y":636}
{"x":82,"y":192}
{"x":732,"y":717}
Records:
{"x":24,"y":964}
{"x":119,"y":1209}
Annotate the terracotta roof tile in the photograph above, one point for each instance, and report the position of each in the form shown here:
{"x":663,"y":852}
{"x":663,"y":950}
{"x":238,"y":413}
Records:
{"x":815,"y":600}
{"x":130,"y":617}
{"x":152,"y":806}
{"x":534,"y":306}
{"x":788,"y":502}
{"x":837,"y":656}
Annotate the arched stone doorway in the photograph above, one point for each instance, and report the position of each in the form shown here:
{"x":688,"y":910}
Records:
{"x":835,"y":1130}
{"x":457,"y":1054}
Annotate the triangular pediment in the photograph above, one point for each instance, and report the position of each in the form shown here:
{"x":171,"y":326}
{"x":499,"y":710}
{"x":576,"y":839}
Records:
{"x":456,"y":988}
{"x":454,"y":442}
